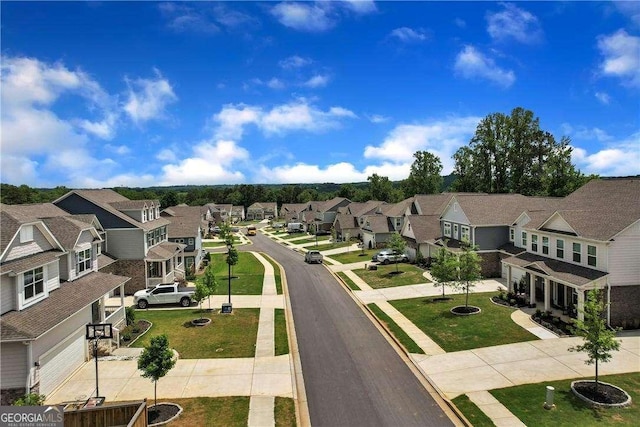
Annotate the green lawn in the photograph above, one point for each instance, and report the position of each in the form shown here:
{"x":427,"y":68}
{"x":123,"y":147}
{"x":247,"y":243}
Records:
{"x":281,"y":337}
{"x":476,"y":417}
{"x":226,"y":336}
{"x":348,"y":281}
{"x":409,"y":344}
{"x":212,"y":412}
{"x":288,"y":236}
{"x":354,"y":256}
{"x":385,"y":277}
{"x":213,"y":244}
{"x":285,"y":412}
{"x":313,"y":239}
{"x":455,"y":333}
{"x":248,"y":272}
{"x":327,"y":246}
{"x":526,"y":403}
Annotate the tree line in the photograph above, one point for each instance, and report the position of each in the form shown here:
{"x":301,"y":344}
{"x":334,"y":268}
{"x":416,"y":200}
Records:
{"x":507,"y":154}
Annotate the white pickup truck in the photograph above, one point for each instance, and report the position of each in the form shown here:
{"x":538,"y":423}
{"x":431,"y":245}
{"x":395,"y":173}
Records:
{"x":167,"y":293}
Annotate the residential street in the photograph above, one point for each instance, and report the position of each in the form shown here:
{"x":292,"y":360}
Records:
{"x":352,"y":375}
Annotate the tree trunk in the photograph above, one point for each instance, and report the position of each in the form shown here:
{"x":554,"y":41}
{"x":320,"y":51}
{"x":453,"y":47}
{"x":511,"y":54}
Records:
{"x":155,"y":393}
{"x":466,"y":301}
{"x":597,"y":376}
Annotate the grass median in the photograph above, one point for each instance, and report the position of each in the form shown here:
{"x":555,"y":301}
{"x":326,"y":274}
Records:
{"x":493,"y":326}
{"x":356,"y":255}
{"x":246,"y":276}
{"x":385,"y":276}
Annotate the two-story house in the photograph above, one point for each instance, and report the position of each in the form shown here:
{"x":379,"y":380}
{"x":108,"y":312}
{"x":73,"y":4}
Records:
{"x":136,"y":236}
{"x":326,"y":211}
{"x":262,"y":210}
{"x":351,"y":218}
{"x":50,"y":288}
{"x":293,"y":212}
{"x":591,"y":241}
{"x":386,"y":220}
{"x":186,"y":225}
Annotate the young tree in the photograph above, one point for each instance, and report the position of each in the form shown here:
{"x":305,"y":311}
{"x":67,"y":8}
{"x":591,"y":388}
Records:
{"x":232,"y":258}
{"x":469,"y":270}
{"x":209,"y":281}
{"x":200,"y":294}
{"x":398,"y":245}
{"x":156,"y":361}
{"x":600,"y":341}
{"x":444,"y":269}
{"x":30,"y":399}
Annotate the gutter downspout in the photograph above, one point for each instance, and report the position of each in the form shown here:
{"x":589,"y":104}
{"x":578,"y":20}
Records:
{"x":29,"y":345}
{"x":608,"y":303}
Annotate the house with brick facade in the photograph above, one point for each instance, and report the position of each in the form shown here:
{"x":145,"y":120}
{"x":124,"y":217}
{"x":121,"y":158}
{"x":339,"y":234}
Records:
{"x":51,"y":286}
{"x":136,"y":236}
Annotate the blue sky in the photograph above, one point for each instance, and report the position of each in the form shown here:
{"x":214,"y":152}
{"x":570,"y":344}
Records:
{"x":147,"y":93}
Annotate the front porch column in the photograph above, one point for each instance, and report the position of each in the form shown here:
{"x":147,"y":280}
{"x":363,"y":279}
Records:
{"x":580,"y":304}
{"x":547,"y":294}
{"x":103,"y":312}
{"x":532,"y":289}
{"x":122,"y":295}
{"x":509,"y":279}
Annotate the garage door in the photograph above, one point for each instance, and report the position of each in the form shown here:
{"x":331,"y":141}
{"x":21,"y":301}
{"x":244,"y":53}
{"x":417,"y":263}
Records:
{"x":60,"y":362}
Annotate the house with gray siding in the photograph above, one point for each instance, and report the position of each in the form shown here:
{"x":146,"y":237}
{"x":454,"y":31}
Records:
{"x":262,"y":210}
{"x":136,"y":236}
{"x":351,"y":218}
{"x":186,"y":227}
{"x":50,"y":288}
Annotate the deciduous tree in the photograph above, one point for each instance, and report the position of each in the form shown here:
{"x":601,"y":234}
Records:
{"x":156,"y":361}
{"x":425,"y":175}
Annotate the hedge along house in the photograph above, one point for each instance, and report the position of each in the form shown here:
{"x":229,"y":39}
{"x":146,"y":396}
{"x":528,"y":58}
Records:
{"x":135,"y":236}
{"x":50,"y":289}
{"x":591,"y":241}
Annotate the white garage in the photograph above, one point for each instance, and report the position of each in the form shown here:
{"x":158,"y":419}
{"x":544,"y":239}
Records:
{"x":60,"y":362}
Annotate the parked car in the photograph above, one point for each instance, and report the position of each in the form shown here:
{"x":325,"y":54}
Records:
{"x":164,"y":294}
{"x":387,"y":256}
{"x":313,"y":257}
{"x":295,"y":227}
{"x":323,"y":232}
{"x":216,"y":230}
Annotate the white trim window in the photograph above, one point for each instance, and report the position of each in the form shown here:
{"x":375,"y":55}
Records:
{"x":592,"y":256}
{"x":465,"y":235}
{"x":524,"y":239}
{"x":151,"y":211}
{"x":455,"y":231}
{"x":447,"y":229}
{"x":144,"y":215}
{"x":577,"y":252}
{"x":545,"y":245}
{"x":512,"y":234}
{"x":83,"y":261}
{"x":33,"y":284}
{"x":26,"y":233}
{"x":534,"y":243}
{"x":560,"y":248}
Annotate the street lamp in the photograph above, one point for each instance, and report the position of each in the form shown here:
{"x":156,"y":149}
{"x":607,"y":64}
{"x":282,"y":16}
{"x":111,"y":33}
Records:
{"x":228,"y":308}
{"x":96,"y":332}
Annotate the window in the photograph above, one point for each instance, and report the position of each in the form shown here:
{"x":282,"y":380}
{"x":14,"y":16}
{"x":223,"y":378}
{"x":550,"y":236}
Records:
{"x":26,"y":234}
{"x":150,"y":214}
{"x":545,"y":245}
{"x":455,"y":231}
{"x":524,"y":239}
{"x":153,"y":269}
{"x":163,"y":290}
{"x":398,"y":222}
{"x":534,"y":243}
{"x":512,"y":234}
{"x":157,"y":211}
{"x":591,"y":255}
{"x":33,"y":283}
{"x":577,"y":252}
{"x":447,"y":229}
{"x":144,"y":215}
{"x":163,"y":233}
{"x":465,"y":237}
{"x":560,"y":248}
{"x":84,"y":261}
{"x":191,"y":241}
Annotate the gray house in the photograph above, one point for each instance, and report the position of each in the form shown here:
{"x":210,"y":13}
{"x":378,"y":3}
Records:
{"x":50,"y":289}
{"x":136,"y":236}
{"x":186,"y":227}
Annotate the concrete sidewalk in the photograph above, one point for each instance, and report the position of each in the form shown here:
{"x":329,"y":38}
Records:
{"x":261,"y":378}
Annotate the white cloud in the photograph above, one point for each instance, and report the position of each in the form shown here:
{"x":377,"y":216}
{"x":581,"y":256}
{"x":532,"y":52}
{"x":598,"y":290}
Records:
{"x":514,"y":23}
{"x":294,"y":116}
{"x":294,"y":61}
{"x":120,"y":150}
{"x":148,"y":98}
{"x":619,"y":158}
{"x":471,"y":63}
{"x":167,"y":155}
{"x":182,"y":18}
{"x":361,"y":6}
{"x":377,"y":118}
{"x":621,"y":53}
{"x":461,"y":23}
{"x":441,"y":137}
{"x":303,"y":17}
{"x":603,"y":97}
{"x":630,"y":9}
{"x":409,"y":35}
{"x":276,"y":83}
{"x":317,"y":81}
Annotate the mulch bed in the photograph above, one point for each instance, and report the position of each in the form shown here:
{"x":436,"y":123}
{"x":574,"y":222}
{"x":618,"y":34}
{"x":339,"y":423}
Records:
{"x":141,"y":326}
{"x":606,"y":394}
{"x":161,"y":413}
{"x":463,"y":310}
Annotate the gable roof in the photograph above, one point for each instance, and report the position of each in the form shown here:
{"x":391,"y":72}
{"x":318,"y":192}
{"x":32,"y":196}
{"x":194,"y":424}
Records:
{"x":424,"y":227}
{"x":501,"y":209}
{"x":378,"y":224}
{"x":432,"y":204}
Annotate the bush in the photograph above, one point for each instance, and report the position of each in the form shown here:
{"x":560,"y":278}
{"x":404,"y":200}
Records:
{"x":135,"y":329}
{"x":538,"y":313}
{"x":126,"y":337}
{"x":30,"y":399}
{"x":130,"y":314}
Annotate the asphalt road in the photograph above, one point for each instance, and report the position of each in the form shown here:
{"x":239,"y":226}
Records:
{"x":352,"y":375}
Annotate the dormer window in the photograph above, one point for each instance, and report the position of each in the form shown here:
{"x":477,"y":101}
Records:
{"x":33,"y":284}
{"x":84,"y":261}
{"x":26,"y":234}
{"x":151,"y":211}
{"x":157,"y":211}
{"x":144,"y":215}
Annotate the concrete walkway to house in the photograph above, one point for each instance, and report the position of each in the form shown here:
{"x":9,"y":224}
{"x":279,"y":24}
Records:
{"x":262,"y":377}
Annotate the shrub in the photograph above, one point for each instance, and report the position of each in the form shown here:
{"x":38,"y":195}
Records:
{"x":512,"y":301}
{"x":126,"y":336}
{"x":130,"y":314}
{"x":538,"y":313}
{"x":135,"y":329}
{"x":30,"y":399}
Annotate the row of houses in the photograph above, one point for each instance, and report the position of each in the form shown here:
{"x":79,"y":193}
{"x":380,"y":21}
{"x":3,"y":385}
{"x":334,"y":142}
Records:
{"x":62,"y":263}
{"x":559,"y":248}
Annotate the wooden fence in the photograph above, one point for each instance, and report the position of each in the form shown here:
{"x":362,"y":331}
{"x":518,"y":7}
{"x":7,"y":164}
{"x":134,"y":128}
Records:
{"x":131,"y":414}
